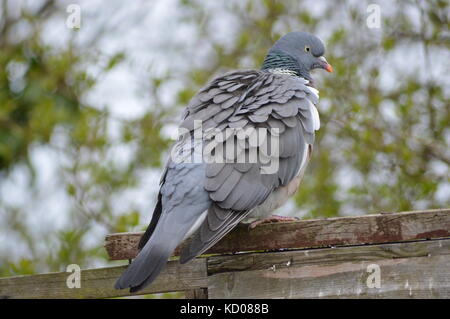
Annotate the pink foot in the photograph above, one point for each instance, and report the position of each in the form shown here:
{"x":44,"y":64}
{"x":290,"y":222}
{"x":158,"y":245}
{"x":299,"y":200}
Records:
{"x":272,"y":219}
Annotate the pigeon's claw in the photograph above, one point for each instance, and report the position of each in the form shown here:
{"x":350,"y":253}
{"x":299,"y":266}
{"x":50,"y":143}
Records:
{"x":272,"y":219}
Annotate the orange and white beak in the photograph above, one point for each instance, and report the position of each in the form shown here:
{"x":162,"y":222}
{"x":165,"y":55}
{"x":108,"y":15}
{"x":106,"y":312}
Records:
{"x":324,"y":64}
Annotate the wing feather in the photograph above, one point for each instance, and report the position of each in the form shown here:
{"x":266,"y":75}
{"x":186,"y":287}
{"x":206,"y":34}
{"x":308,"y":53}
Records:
{"x":281,"y":104}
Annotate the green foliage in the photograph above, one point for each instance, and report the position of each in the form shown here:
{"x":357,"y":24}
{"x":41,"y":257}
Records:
{"x":36,"y":95}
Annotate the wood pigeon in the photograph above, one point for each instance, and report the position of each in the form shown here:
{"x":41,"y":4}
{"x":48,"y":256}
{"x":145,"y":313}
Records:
{"x":249,"y":110}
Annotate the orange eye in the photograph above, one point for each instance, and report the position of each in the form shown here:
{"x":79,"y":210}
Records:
{"x":307,"y":48}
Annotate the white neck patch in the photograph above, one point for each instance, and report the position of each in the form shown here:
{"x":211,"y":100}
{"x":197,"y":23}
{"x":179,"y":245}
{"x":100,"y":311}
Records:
{"x":282,"y":71}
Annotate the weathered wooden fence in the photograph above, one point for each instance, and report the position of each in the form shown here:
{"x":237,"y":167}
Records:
{"x":390,"y":255}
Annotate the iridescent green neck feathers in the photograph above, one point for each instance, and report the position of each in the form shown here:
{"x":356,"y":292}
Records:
{"x":279,"y":62}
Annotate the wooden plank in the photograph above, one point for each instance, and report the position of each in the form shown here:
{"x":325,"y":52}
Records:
{"x":407,"y":270}
{"x":98,"y":283}
{"x":340,"y":231}
{"x":322,"y":256}
{"x":200,"y":293}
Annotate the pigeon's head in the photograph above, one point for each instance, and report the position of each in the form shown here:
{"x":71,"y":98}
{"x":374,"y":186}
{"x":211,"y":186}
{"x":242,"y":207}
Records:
{"x":298,"y":52}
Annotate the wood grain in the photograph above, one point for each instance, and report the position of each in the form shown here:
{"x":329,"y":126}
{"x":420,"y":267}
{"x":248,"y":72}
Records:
{"x":340,"y":231}
{"x":99,"y":283}
{"x":407,"y":270}
{"x":410,"y":265}
{"x":199,"y":293}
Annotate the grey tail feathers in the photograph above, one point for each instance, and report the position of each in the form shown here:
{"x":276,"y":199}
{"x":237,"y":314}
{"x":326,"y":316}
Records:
{"x":151,"y":259}
{"x":146,"y":266}
{"x":205,"y":238}
{"x":151,"y":227}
